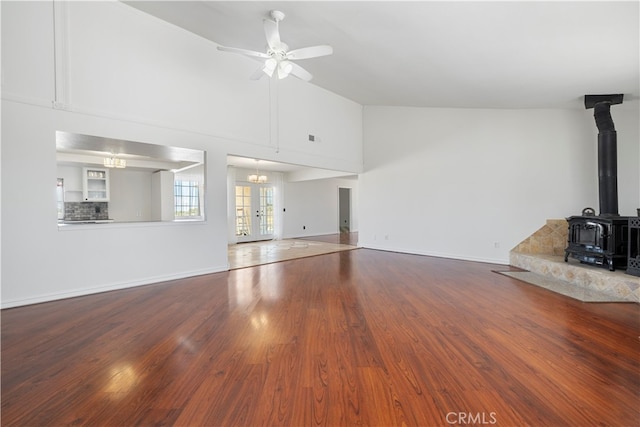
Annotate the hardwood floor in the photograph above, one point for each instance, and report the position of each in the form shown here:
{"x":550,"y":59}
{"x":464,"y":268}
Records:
{"x":349,"y":338}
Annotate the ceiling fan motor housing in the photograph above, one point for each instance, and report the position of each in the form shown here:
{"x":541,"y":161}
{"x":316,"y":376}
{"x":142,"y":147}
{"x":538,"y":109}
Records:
{"x":276,"y":15}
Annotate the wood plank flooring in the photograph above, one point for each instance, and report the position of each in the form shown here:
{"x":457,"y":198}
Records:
{"x":358,"y":337}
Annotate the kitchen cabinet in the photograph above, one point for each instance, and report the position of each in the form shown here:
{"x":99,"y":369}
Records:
{"x":95,"y":185}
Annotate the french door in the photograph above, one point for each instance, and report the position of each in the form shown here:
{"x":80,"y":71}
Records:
{"x":254,"y":212}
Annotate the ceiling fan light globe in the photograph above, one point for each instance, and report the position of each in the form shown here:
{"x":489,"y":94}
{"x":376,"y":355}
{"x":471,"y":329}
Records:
{"x":286,"y":66}
{"x":270,"y":66}
{"x":271,"y":63}
{"x":284,"y":69}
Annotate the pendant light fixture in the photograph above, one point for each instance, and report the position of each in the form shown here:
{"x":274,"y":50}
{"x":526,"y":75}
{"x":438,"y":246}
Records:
{"x":114,"y":162}
{"x":257,"y":178}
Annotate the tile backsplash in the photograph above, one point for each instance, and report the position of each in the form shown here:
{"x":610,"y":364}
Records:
{"x":82,"y":211}
{"x":551,"y":239}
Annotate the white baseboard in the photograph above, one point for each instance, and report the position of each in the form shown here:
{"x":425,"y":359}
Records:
{"x":436,"y":254}
{"x":328,"y":233}
{"x":110,"y":287}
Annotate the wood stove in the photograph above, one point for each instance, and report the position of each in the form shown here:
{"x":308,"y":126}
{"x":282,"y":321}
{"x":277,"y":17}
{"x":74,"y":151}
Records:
{"x":598,"y":241}
{"x":601,"y":240}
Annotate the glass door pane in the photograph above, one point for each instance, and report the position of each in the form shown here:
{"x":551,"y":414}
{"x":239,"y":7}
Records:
{"x":243,"y":211}
{"x":254,"y":212}
{"x":266,"y":211}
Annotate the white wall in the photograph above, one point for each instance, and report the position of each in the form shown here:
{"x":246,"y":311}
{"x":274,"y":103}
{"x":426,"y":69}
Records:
{"x":123,"y":74}
{"x":130,"y":195}
{"x":125,"y":63}
{"x":626,"y":118}
{"x":162,"y":196}
{"x":471,"y":184}
{"x":47,"y":262}
{"x":72,"y":176}
{"x":314,"y":206}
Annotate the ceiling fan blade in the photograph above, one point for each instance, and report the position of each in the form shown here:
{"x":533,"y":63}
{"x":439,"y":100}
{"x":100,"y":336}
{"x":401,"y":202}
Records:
{"x":310,"y":52}
{"x":300,"y":72}
{"x":245,"y":52}
{"x":272,"y":33}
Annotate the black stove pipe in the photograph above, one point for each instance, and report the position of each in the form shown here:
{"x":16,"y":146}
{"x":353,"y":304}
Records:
{"x":607,"y":152}
{"x":607,"y":160}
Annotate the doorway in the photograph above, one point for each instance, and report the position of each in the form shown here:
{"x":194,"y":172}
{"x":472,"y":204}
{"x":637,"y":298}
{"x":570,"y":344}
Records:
{"x":254,"y":210}
{"x":344,"y":210}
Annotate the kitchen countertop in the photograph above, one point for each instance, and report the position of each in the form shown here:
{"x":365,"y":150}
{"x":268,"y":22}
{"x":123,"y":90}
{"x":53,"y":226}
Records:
{"x":85,"y":221}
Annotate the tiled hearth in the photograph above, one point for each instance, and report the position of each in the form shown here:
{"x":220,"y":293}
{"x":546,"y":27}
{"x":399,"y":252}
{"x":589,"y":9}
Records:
{"x":543,"y":253}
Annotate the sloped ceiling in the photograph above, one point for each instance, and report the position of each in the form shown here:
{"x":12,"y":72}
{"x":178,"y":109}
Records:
{"x":476,"y":54}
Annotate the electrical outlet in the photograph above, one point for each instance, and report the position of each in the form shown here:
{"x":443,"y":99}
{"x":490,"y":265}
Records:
{"x":496,"y":245}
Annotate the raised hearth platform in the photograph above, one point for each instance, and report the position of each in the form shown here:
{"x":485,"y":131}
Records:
{"x":618,"y":284}
{"x":543,"y":253}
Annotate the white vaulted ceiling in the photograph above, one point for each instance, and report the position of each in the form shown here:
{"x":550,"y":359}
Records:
{"x":474,"y":54}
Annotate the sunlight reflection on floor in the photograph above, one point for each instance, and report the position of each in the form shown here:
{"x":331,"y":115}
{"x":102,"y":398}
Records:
{"x":257,"y":253}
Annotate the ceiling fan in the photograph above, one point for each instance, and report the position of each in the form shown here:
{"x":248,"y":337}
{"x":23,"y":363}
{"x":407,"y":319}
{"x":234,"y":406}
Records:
{"x":278,"y":58}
